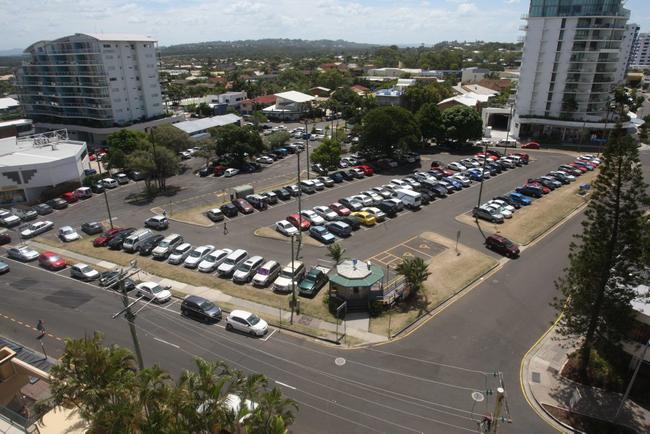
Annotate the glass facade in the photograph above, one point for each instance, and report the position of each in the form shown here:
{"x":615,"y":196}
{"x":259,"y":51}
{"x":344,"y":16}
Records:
{"x":576,"y":8}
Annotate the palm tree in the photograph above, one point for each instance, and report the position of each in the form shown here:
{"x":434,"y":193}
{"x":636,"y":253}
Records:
{"x":335,"y":251}
{"x":415,"y":273}
{"x":273,"y":414}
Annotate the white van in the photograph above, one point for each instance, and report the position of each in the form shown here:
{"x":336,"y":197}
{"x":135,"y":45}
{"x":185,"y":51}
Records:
{"x":232,"y":261}
{"x":411,"y":199}
{"x":133,"y":242}
{"x":307,"y":186}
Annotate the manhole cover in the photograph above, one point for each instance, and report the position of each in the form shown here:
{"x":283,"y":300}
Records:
{"x":339,"y":361}
{"x":478,"y":396}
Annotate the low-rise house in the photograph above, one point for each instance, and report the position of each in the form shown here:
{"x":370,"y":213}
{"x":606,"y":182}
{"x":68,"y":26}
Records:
{"x":290,"y":105}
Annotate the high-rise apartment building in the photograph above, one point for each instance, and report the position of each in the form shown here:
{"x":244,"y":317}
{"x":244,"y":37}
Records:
{"x":575,"y":53}
{"x":91,"y":84}
{"x":640,"y":57}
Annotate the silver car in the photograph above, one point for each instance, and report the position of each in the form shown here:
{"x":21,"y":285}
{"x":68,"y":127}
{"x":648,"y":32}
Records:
{"x":23,"y":253}
{"x":83,"y":272}
{"x":179,"y":254}
{"x":197,"y":255}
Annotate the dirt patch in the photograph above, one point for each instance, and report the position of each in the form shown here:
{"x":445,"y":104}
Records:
{"x":313,"y":307}
{"x":269,"y":232}
{"x":585,"y":423}
{"x":529,"y":222}
{"x":451,"y":271}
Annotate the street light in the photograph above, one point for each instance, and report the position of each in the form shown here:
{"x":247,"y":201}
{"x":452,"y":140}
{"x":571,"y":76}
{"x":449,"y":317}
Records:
{"x":108,"y":207}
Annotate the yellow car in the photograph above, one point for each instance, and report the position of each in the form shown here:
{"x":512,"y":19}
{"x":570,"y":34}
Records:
{"x":365,"y":217}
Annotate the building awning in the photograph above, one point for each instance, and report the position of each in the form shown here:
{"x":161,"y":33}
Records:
{"x":295,"y":96}
{"x":198,"y":125}
{"x":351,"y":273}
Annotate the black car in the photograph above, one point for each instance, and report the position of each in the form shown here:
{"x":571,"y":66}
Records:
{"x":509,"y":201}
{"x":151,"y":243}
{"x":118,"y":240}
{"x":388,"y":207}
{"x":97,"y":188}
{"x":5,"y":239}
{"x":92,"y":228}
{"x":135,"y":175}
{"x":201,"y":309}
{"x":204,"y":171}
{"x":425,"y":197}
{"x":229,"y":210}
{"x":352,"y":221}
{"x":282,"y":193}
{"x":345,"y":175}
{"x":110,"y":279}
{"x":436,"y":190}
{"x":57,"y":203}
{"x":42,"y":209}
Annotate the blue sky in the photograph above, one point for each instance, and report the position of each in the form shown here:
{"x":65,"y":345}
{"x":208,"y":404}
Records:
{"x":179,"y":21}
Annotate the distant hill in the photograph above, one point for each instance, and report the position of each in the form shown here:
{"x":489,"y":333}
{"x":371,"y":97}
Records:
{"x":11,"y":52}
{"x":263,"y":48}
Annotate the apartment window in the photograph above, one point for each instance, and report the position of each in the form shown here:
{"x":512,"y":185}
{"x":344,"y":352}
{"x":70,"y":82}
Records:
{"x":561,"y":35}
{"x":113,"y":79}
{"x":132,"y":47}
{"x":156,"y":105}
{"x":548,"y":106}
{"x":107,"y":45}
{"x":563,"y":22}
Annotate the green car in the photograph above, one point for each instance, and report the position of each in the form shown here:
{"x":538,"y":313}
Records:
{"x":312,"y":282}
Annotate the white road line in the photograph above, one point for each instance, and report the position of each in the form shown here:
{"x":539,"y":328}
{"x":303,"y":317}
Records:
{"x":165,"y":342}
{"x":269,"y":335}
{"x":284,"y":384}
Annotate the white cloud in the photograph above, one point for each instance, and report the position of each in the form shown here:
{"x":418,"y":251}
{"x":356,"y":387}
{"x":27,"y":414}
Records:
{"x":466,"y":8}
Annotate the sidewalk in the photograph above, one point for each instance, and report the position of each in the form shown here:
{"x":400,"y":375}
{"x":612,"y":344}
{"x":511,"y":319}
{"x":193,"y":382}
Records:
{"x":218,"y":296}
{"x":542,"y":384}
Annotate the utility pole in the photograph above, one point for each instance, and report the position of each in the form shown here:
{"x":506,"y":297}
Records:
{"x":299,"y":202}
{"x":480,"y":190}
{"x":498,"y":406}
{"x":631,"y":383}
{"x":108,"y":208}
{"x":306,"y":146}
{"x":293,"y":282}
{"x":128,"y":314}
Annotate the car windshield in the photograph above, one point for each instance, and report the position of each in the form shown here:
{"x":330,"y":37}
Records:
{"x":54,"y":258}
{"x":179,"y":251}
{"x":230,"y":261}
{"x":86,"y":269}
{"x":506,"y":242}
{"x":156,"y":289}
{"x":164,"y":244}
{"x":287,"y":273}
{"x":210,"y":258}
{"x":244,"y":267}
{"x":195,"y":254}
{"x":263,"y":271}
{"x":67,"y":231}
{"x":207,"y":305}
{"x":253,"y":319}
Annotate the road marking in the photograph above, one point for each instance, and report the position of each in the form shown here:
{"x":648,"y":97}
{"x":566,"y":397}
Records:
{"x":285,"y":385}
{"x":165,"y":342}
{"x":269,"y":335}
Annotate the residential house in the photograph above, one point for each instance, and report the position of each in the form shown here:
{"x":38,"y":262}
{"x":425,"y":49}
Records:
{"x":290,"y":105}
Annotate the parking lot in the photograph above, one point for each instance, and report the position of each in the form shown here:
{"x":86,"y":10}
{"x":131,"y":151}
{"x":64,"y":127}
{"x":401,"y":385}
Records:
{"x":416,"y":246}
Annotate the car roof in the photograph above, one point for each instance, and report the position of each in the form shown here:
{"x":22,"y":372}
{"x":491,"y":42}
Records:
{"x":240,"y":313}
{"x":183,"y":246}
{"x":269,"y":263}
{"x":296,"y":265}
{"x":195,"y":299}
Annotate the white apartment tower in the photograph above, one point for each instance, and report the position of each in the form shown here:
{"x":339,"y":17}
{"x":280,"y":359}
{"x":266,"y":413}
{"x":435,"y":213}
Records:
{"x":91,"y":83}
{"x":575,"y":53}
{"x":641,"y":52}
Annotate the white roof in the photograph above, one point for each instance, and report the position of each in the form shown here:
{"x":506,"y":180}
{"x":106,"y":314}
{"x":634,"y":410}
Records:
{"x":120,"y":37}
{"x":468,"y":99}
{"x":6,"y":103}
{"x":641,"y":304}
{"x":17,"y":153}
{"x":295,"y":96}
{"x":198,"y":125}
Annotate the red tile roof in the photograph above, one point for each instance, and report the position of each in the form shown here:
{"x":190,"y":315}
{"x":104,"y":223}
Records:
{"x":265,"y":99}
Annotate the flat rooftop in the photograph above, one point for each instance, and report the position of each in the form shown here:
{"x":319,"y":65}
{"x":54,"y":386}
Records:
{"x":198,"y":125}
{"x":16,"y":152}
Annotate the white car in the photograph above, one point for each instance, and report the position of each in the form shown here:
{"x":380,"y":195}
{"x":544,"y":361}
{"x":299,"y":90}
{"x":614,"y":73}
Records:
{"x":497,"y":209}
{"x":376,"y":197}
{"x":462,"y":179}
{"x":179,"y":254}
{"x":326,"y":213}
{"x":36,"y":228}
{"x":412,"y":182}
{"x":197,"y":255}
{"x":8,"y":219}
{"x":456,"y":166}
{"x":380,"y":216}
{"x":318,"y":185}
{"x":231,"y":262}
{"x":230,"y":172}
{"x":23,"y":253}
{"x":67,"y":234}
{"x":264,"y":160}
{"x":314,"y":219}
{"x":286,"y":228}
{"x":382,"y":192}
{"x":365,"y":200}
{"x":400,"y":184}
{"x":507,"y":162}
{"x":110,"y":183}
{"x":153,"y":291}
{"x":83,"y":272}
{"x":289,"y":274}
{"x":213,"y":260}
{"x":503,"y":204}
{"x":246,"y":322}
{"x":563,"y":174}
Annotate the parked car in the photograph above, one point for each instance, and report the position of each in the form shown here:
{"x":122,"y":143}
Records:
{"x":340,"y":209}
{"x":157,"y":222}
{"x":286,"y":228}
{"x":313,"y":281}
{"x":282,"y":193}
{"x":320,"y":233}
{"x":339,"y":228}
{"x":351,"y":204}
{"x":148,"y":246}
{"x":42,"y":209}
{"x":229,"y":210}
{"x":351,"y":221}
{"x":117,"y":241}
{"x":379,"y":215}
{"x":57,"y":203}
{"x":531,"y":190}
{"x":457,"y":167}
{"x":270,"y":197}
{"x":257,"y":201}
{"x":563,"y":177}
{"x":192,"y":260}
{"x":25,"y":215}
{"x":51,"y":261}
{"x":103,"y":239}
{"x":288,"y":275}
{"x":68,"y":234}
{"x":247,"y":269}
{"x":111,"y":279}
{"x":365,"y":218}
{"x":110,"y":183}
{"x":92,"y":228}
{"x":519,"y":198}
{"x":200,"y":309}
{"x":243,"y":206}
{"x":165,"y":247}
{"x":36,"y":228}
{"x":22,"y":253}
{"x":7,"y":219}
{"x":530,"y":145}
{"x":215,"y":214}
{"x":326,"y":181}
{"x":153,"y":291}
{"x":312,"y":217}
{"x":69,"y":196}
{"x":299,"y":222}
{"x":213,"y":260}
{"x":326,"y":213}
{"x":231,"y":262}
{"x":97,"y":188}
{"x":266,"y":274}
{"x":179,"y":253}
{"x":230,"y":172}
{"x":4,"y":267}
{"x":5,"y":238}
{"x":83,"y":272}
{"x":246,"y":322}
{"x":488,"y":214}
{"x":502,"y":245}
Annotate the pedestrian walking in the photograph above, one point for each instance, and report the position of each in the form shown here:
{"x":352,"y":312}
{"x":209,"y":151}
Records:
{"x":225,"y":228}
{"x":165,"y":213}
{"x":40,"y":326}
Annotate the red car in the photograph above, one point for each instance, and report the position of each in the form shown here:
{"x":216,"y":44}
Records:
{"x":70,"y":197}
{"x":340,"y":209}
{"x":502,"y":245}
{"x":219,"y":169}
{"x":243,"y":206}
{"x":524,"y":157}
{"x":367,"y":170}
{"x":104,"y":238}
{"x":544,"y":188}
{"x":435,"y":164}
{"x":51,"y":261}
{"x":92,"y":157}
{"x":530,"y":145}
{"x":481,"y":155}
{"x":583,"y":169}
{"x":299,"y":222}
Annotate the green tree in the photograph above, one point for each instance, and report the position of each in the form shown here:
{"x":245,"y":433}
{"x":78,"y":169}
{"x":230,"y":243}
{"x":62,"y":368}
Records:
{"x":278,"y":139}
{"x":207,"y":148}
{"x":415,"y":273}
{"x":240,"y":143}
{"x":328,"y":154}
{"x":335,"y":251}
{"x":258,"y":118}
{"x":388,"y":131}
{"x":142,"y":160}
{"x":606,"y":260}
{"x":461,"y":124}
{"x":171,"y":137}
{"x":420,"y":94}
{"x":204,"y":110}
{"x":429,"y":119}
{"x":121,"y":144}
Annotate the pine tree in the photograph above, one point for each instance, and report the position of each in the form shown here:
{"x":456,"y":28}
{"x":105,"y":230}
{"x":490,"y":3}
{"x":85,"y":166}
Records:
{"x":606,"y":259}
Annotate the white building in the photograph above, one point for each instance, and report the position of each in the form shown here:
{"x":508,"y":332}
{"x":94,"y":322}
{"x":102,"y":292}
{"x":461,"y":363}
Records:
{"x":9,"y":105}
{"x":291,"y":105}
{"x":473,"y":74}
{"x":198,"y":128}
{"x":91,"y":81}
{"x":640,"y":57}
{"x":33,"y":164}
{"x":575,"y":53}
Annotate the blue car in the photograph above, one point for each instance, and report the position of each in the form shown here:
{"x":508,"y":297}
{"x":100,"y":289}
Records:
{"x":455,"y":183}
{"x":520,"y":198}
{"x":474,"y":174}
{"x":321,"y":234}
{"x":336,"y":177}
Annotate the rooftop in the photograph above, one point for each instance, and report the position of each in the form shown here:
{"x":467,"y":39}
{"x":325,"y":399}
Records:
{"x":39,"y":148}
{"x":640,"y":304}
{"x":295,"y":96}
{"x":7,"y":103}
{"x":353,"y":272}
{"x":125,"y":37}
{"x":198,"y":125}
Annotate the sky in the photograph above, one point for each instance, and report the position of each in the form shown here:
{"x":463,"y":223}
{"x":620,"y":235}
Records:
{"x":181,"y":21}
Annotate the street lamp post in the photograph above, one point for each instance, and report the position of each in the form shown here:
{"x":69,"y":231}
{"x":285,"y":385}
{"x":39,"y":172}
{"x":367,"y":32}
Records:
{"x":306,"y":147}
{"x":293,"y":282}
{"x":108,"y":208}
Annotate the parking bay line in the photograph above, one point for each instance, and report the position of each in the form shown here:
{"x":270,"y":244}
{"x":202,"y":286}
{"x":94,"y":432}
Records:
{"x":165,"y":342}
{"x":269,"y":335}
